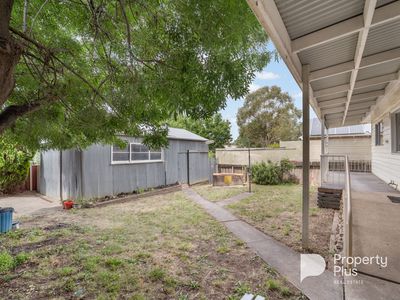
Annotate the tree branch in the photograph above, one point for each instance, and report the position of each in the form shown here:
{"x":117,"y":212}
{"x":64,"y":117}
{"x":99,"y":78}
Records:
{"x":9,"y":115}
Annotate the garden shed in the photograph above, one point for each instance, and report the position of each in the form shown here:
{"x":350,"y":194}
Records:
{"x":105,"y":170}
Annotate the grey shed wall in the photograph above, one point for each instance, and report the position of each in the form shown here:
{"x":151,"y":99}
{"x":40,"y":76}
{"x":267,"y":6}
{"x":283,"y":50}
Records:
{"x":50,"y":174}
{"x":90,"y":174}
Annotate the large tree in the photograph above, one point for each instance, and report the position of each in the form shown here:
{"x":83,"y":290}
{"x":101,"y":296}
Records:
{"x":267,"y":117}
{"x":75,"y":72}
{"x":214,"y":128}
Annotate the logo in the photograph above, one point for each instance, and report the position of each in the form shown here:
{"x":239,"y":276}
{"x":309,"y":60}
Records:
{"x":311,"y":265}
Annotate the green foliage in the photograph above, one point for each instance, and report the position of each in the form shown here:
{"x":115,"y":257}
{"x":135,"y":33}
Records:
{"x":101,"y":68}
{"x":8,"y":262}
{"x":20,"y":258}
{"x":272,"y":173}
{"x":14,"y":165}
{"x":214,"y":128}
{"x":268,"y":116}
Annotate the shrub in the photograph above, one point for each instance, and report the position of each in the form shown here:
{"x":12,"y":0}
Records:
{"x":14,"y":165}
{"x":6,"y":262}
{"x":272,"y":173}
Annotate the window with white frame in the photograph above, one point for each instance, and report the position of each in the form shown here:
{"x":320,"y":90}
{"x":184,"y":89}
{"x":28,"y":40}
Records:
{"x":379,"y":134}
{"x":396,"y":132}
{"x":134,"y":152}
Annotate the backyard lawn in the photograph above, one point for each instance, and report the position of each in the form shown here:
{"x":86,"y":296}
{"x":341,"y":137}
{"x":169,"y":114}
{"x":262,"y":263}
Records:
{"x":162,"y":247}
{"x":218,"y":193}
{"x":276,"y":210}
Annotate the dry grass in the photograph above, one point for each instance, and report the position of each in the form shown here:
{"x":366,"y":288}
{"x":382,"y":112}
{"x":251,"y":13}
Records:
{"x":163,"y":247}
{"x":276,"y":210}
{"x":218,"y":193}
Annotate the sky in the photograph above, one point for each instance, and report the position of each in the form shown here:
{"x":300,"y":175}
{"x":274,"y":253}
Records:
{"x":275,"y":73}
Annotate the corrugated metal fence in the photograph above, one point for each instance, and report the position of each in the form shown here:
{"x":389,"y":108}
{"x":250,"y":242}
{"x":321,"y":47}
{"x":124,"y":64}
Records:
{"x":195,"y":166}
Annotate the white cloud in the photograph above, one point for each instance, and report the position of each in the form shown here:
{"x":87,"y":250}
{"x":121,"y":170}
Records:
{"x":296,"y":95}
{"x":253,"y":87}
{"x":264,"y":75}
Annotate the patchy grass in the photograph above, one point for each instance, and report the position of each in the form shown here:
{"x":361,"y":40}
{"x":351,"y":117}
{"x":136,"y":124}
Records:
{"x":163,"y":247}
{"x":276,"y":210}
{"x":218,"y":193}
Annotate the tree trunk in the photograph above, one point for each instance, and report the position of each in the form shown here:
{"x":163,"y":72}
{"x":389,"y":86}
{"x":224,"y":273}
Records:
{"x":10,"y":52}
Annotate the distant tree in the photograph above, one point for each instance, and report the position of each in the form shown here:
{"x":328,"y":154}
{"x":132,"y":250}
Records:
{"x":214,"y":128}
{"x":267,"y":117}
{"x":73,"y":73}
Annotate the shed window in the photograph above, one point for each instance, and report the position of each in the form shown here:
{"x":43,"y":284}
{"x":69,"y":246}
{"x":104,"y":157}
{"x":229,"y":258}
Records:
{"x":120,"y":154}
{"x":379,"y":134}
{"x":135,"y":152}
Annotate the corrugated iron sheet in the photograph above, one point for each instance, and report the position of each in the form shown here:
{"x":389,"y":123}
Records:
{"x":370,"y":88}
{"x":305,"y":16}
{"x":333,"y":96}
{"x":331,"y":81}
{"x":378,"y":70}
{"x":331,"y":53}
{"x":383,"y":37}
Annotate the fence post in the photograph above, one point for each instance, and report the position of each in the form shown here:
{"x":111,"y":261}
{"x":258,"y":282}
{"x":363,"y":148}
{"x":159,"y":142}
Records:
{"x":187,"y":166}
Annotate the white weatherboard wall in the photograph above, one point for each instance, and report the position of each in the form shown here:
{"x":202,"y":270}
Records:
{"x":385,"y":164}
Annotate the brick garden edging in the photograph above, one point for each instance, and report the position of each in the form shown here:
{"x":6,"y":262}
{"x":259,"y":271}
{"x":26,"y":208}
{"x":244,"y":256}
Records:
{"x":167,"y":190}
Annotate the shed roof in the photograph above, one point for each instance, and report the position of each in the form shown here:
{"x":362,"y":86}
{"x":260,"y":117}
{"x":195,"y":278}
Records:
{"x":183,"y":134}
{"x":352,"y":49}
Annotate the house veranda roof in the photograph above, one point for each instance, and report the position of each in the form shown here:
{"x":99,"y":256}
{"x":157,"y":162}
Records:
{"x":352,"y":49}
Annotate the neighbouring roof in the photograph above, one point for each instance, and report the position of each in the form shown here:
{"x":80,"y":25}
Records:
{"x":183,"y":134}
{"x":362,"y":129}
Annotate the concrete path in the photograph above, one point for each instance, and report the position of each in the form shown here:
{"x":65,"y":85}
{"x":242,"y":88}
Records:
{"x":282,"y":258}
{"x":234,"y":199}
{"x":376,"y":224}
{"x":367,"y":287}
{"x":28,"y":203}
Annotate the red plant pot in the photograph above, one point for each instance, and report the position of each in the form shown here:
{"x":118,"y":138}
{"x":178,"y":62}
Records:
{"x":68,"y":204}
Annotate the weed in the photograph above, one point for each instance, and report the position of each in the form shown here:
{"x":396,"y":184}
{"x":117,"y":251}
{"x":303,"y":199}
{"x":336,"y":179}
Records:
{"x":69,"y":285}
{"x":193,"y":284}
{"x":273,"y":285}
{"x":286,"y":229}
{"x":110,"y":281}
{"x":66,"y":271}
{"x":157,"y":274}
{"x":6,"y":262}
{"x":314,"y":211}
{"x":241,"y":288}
{"x":223,"y":249}
{"x":239,"y":243}
{"x":20,"y":258}
{"x":113,"y":263}
{"x":90,"y":263}
{"x":138,"y":297}
{"x":285,"y":291}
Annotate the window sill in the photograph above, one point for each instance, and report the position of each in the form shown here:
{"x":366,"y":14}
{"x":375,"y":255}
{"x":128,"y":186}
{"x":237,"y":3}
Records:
{"x":137,"y":162}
